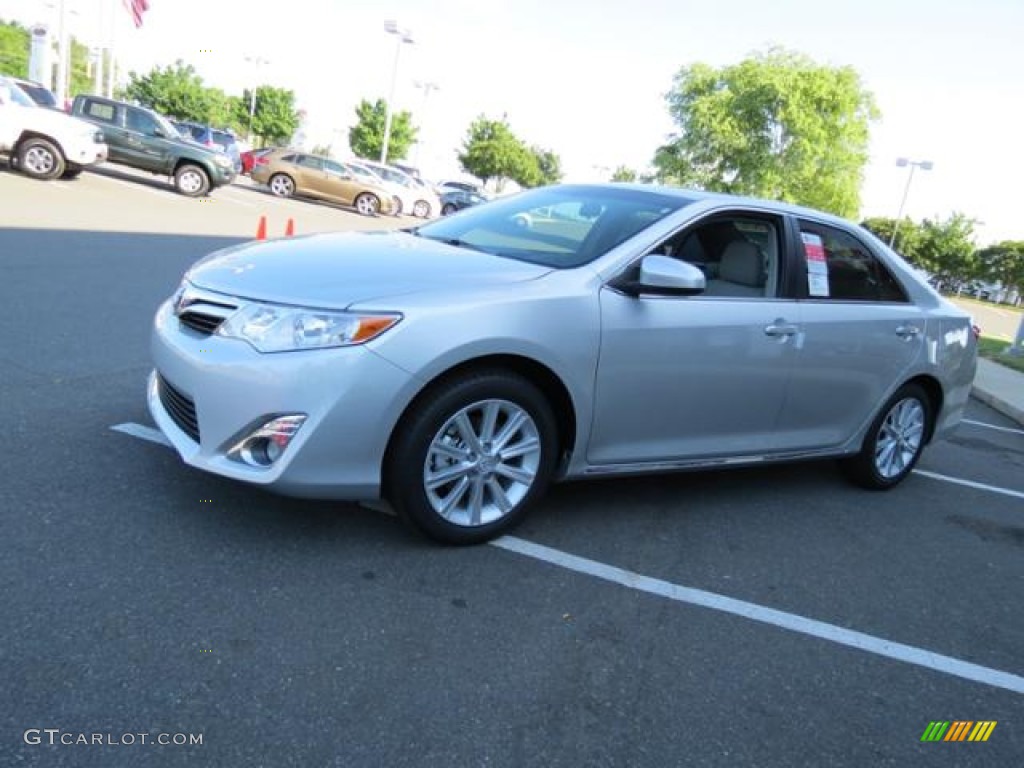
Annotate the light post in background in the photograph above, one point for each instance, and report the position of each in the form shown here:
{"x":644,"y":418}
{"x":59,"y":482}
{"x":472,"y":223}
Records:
{"x":924,"y":165}
{"x":427,"y":88}
{"x":257,"y":62}
{"x":404,"y":36}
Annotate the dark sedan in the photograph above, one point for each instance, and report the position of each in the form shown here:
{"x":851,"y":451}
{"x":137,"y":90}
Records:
{"x":458,"y":199}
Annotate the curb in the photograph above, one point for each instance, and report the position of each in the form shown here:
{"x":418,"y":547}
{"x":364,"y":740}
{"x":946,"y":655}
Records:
{"x":998,"y":403}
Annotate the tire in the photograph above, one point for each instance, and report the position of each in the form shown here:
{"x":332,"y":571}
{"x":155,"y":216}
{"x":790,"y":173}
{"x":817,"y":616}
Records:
{"x":421,"y":209}
{"x":191,"y":180}
{"x":444,"y":441}
{"x":72,"y":172}
{"x":367,"y":204}
{"x":40,"y":159}
{"x":396,"y":202}
{"x":281,"y":185}
{"x":448,"y":210}
{"x":894,"y":442}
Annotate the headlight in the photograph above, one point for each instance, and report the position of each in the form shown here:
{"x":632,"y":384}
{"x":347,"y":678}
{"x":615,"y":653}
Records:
{"x":272,"y":328}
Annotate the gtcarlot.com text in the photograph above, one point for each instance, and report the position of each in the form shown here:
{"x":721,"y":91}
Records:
{"x":54,"y":736}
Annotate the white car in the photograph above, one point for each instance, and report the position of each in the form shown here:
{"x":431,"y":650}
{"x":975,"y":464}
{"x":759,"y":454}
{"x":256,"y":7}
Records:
{"x":44,"y":143}
{"x":416,"y":198}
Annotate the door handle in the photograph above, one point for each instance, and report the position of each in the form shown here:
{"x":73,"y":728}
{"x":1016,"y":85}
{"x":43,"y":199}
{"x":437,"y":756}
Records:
{"x":780,"y":328}
{"x":908,"y":332}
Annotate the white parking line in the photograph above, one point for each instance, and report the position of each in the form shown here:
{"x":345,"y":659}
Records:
{"x":992,"y":426}
{"x":789,"y":621}
{"x":970,"y":483}
{"x":145,"y":433}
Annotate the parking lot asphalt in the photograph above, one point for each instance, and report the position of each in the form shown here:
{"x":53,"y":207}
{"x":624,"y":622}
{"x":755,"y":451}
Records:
{"x":772,"y":616}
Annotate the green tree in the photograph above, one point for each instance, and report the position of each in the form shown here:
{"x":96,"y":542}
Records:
{"x":775,"y":125}
{"x":275,"y":118}
{"x":14,"y":49}
{"x":947,"y":250}
{"x":491,"y":151}
{"x":908,"y":237}
{"x":366,"y":137}
{"x":1004,"y":263}
{"x":622,"y":173}
{"x":177,"y":91}
{"x":548,"y":164}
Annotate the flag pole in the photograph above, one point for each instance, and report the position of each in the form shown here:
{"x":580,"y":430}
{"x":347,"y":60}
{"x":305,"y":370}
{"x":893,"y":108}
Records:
{"x":112,"y":73}
{"x":97,"y":85}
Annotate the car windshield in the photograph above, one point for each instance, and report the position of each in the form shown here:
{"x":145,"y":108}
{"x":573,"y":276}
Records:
{"x":166,"y":125}
{"x":12,"y":94}
{"x":560,"y":227}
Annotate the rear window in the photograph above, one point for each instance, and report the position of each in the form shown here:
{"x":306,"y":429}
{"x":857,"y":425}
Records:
{"x":39,"y":94}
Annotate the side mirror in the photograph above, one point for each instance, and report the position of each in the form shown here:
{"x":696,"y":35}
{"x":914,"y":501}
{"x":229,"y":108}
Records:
{"x":664,"y":276}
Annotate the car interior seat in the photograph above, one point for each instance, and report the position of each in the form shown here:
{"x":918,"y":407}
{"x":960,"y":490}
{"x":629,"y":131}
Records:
{"x":741,"y":271}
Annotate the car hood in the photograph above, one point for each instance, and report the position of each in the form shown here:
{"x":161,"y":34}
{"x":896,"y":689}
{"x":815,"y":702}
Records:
{"x":336,"y":270}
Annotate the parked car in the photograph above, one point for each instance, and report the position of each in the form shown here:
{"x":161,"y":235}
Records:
{"x":416,"y":198}
{"x":457,"y":199}
{"x":38,"y":92}
{"x":252,"y":157}
{"x":212,"y":138}
{"x":458,"y":368}
{"x":45,"y":143}
{"x":461,"y":186}
{"x":144,"y":139}
{"x":288,"y":173}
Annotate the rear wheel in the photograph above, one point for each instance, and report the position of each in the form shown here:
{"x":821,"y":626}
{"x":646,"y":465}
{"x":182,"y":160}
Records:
{"x":191,"y":180}
{"x":40,"y":159}
{"x":472,"y":456}
{"x":448,"y":209}
{"x":894,"y":442}
{"x":282,"y":185}
{"x":367,"y":204}
{"x":396,"y":206}
{"x":421,"y":209}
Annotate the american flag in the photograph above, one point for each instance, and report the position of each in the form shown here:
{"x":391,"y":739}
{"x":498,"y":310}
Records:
{"x":136,"y":8}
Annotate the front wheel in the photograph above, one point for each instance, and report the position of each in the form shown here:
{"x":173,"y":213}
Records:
{"x":367,"y":204}
{"x":421,"y":209}
{"x":472,"y":456}
{"x":894,"y":442}
{"x":448,"y":209}
{"x":396,"y":206}
{"x":191,"y":181}
{"x":40,"y":159}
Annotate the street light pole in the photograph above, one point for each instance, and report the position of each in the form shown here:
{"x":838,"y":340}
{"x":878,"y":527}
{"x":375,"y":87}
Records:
{"x":427,"y":88}
{"x":924,"y":165}
{"x":256,"y":61}
{"x":404,"y":36}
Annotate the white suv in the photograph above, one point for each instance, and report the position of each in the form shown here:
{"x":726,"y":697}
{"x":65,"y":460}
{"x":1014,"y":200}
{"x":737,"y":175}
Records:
{"x":44,"y":143}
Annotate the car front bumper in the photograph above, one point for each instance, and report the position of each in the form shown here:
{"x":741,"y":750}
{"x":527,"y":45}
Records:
{"x":348,"y":396}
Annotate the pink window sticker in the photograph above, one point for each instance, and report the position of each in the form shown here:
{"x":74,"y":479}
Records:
{"x":814,"y":248}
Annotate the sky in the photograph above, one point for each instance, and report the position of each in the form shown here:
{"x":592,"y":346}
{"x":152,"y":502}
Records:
{"x":588,"y":79}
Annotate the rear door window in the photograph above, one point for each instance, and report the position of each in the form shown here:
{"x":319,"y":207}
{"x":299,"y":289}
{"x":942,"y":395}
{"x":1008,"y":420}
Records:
{"x":842,"y":268}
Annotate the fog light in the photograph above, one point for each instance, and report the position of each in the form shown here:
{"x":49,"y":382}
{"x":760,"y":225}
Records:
{"x":266,"y":444}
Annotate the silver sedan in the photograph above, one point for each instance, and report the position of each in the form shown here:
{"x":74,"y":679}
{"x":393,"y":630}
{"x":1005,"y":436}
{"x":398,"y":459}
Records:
{"x":458,"y":368}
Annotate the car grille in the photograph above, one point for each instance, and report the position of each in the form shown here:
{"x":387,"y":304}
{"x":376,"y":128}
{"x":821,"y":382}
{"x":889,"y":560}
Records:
{"x":203,"y":312}
{"x":179,"y":407}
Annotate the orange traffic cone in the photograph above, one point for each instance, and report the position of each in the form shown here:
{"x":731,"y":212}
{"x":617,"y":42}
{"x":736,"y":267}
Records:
{"x":289,"y":230}
{"x":261,"y":230}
